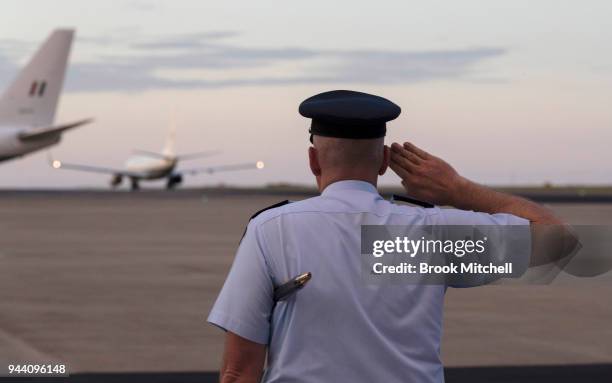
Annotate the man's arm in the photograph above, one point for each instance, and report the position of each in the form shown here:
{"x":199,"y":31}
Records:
{"x":243,"y":309}
{"x":243,"y":360}
{"x":429,"y":178}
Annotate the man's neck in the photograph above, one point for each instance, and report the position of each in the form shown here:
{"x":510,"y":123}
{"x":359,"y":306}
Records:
{"x":326,"y":181}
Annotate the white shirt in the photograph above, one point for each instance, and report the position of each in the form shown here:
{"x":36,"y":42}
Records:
{"x":337,"y":328}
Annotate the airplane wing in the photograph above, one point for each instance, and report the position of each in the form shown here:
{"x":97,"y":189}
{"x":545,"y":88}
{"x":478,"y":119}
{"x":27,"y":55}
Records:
{"x":149,"y":153}
{"x":192,"y":156}
{"x":223,"y":168}
{"x":56,"y":164}
{"x":41,"y":133}
{"x":182,"y":157}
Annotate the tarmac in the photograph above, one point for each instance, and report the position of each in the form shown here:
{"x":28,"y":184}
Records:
{"x":119,"y":283}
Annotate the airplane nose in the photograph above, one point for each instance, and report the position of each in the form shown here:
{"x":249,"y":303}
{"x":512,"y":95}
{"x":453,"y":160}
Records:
{"x":259,"y":165}
{"x":56,"y":164}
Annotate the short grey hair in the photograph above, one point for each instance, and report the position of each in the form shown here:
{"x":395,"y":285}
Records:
{"x":337,"y":153}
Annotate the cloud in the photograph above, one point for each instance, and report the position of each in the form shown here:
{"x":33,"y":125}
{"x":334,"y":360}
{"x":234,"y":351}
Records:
{"x":190,"y":41}
{"x":159,"y":63}
{"x":391,"y":67}
{"x":143,"y":6}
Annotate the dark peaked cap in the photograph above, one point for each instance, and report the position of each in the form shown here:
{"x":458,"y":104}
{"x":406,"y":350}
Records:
{"x":348,"y":114}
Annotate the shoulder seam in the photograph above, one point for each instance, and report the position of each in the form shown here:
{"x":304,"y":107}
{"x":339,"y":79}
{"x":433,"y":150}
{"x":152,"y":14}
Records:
{"x":337,"y":212}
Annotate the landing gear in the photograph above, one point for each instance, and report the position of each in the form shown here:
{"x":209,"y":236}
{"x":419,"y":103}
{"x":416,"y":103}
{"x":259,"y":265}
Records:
{"x":134,"y":185}
{"x":173,"y":181}
{"x":115,"y":181}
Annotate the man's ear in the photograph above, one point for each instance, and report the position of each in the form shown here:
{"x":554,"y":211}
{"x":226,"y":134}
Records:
{"x":385,"y":161}
{"x":313,"y":159}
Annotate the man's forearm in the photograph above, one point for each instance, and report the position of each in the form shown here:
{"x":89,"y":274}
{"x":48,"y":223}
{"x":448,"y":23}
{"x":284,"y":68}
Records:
{"x":551,"y":239}
{"x":233,"y":376}
{"x":243,"y":360}
{"x":472,"y":196}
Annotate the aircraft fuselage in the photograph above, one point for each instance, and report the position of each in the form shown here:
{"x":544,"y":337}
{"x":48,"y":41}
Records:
{"x":149,"y":168}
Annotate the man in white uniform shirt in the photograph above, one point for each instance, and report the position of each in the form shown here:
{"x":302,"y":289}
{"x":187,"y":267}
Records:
{"x":338,"y":328}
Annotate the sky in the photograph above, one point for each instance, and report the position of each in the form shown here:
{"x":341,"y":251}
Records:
{"x":508,"y":92}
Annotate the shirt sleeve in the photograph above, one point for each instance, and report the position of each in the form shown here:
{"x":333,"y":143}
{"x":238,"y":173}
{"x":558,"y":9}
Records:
{"x":509,"y":240}
{"x":468,"y":217}
{"x":245,"y":302}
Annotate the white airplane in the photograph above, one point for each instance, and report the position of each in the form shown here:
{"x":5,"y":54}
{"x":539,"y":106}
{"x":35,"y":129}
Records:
{"x":27,"y":107}
{"x":148,"y":165}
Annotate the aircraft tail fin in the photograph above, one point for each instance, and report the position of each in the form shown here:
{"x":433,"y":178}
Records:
{"x":31,"y":100}
{"x":169,"y":149}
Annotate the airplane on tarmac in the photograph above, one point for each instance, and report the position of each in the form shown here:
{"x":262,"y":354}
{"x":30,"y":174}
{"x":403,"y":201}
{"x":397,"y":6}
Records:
{"x":27,"y":107}
{"x":148,"y":165}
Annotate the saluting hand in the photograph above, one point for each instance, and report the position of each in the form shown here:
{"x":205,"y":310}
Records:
{"x":424,"y":176}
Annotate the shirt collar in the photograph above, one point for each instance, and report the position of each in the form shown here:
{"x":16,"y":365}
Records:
{"x":355,"y":185}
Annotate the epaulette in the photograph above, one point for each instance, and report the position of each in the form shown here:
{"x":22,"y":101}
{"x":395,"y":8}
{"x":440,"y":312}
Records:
{"x":278,"y":204}
{"x":396,"y":197}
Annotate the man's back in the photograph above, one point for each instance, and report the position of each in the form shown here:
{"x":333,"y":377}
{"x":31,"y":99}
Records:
{"x":339,"y":327}
{"x":342,"y":326}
